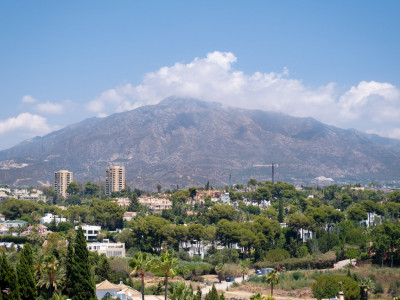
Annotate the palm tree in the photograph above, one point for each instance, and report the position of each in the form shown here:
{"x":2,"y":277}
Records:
{"x":142,"y":262}
{"x":49,"y":268}
{"x":258,"y":297}
{"x":180,"y":291}
{"x":243,"y":269}
{"x":367,"y":285}
{"x":220,"y":270}
{"x":272,"y":278}
{"x":166,"y":264}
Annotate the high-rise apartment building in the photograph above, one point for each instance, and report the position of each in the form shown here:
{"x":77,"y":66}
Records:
{"x":115,"y":179}
{"x":62,"y":179}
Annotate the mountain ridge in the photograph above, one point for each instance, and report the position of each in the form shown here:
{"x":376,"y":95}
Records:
{"x":189,"y":142}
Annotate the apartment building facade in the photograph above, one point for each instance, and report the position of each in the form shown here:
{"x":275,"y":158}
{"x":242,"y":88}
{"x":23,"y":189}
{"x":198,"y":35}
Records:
{"x":62,"y":179}
{"x":115,"y":179}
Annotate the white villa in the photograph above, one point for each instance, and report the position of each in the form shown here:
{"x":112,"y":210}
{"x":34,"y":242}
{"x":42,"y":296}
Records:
{"x":107,"y":248}
{"x":48,"y":218}
{"x":90,"y":231}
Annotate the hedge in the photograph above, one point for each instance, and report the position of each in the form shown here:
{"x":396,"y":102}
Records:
{"x":13,"y":239}
{"x":323,"y":261}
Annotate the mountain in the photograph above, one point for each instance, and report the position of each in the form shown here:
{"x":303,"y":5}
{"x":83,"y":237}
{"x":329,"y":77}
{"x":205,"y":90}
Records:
{"x":189,"y":142}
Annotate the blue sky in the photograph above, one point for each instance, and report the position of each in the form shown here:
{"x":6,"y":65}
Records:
{"x":64,"y":61}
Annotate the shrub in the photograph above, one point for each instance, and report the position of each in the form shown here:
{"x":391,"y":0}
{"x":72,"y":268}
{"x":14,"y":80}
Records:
{"x":276,"y":255}
{"x":235,"y":284}
{"x":255,"y":278}
{"x":328,"y":286}
{"x":378,"y":288}
{"x":297,"y":275}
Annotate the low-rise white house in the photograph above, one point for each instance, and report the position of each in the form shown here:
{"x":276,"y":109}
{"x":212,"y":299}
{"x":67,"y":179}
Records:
{"x":15,"y":223}
{"x":48,"y":218}
{"x":107,"y":248}
{"x":372,"y":219}
{"x":305,"y":234}
{"x":225,"y":198}
{"x":90,"y":231}
{"x":195,"y":247}
{"x":116,"y":291}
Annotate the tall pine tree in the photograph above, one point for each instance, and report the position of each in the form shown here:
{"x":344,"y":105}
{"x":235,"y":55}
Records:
{"x":9,"y":288}
{"x":81,"y":281}
{"x":26,"y":274}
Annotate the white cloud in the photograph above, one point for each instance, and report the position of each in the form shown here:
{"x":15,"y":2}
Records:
{"x":50,"y":108}
{"x":34,"y":124}
{"x":28,"y":99}
{"x":212,"y":78}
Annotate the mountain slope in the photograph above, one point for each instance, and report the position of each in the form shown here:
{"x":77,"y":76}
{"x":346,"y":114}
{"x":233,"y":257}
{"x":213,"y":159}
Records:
{"x":188,"y":142}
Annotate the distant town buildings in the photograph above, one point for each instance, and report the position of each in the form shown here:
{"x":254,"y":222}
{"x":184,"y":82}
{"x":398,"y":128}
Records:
{"x":62,"y":179}
{"x":115,"y":179}
{"x":22,"y":194}
{"x":155,"y":204}
{"x":122,"y":202}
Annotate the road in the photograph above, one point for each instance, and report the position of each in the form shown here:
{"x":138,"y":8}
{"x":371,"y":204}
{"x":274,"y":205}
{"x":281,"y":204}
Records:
{"x":223,"y":285}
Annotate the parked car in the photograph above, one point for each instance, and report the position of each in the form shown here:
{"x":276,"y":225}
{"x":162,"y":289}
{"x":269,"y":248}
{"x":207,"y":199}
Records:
{"x":264,"y":271}
{"x":230,"y":279}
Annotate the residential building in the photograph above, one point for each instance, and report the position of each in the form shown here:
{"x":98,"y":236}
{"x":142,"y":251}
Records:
{"x":305,"y":234}
{"x":155,"y":204}
{"x":194,"y":247}
{"x":14,"y":223}
{"x":40,"y":229}
{"x":123,"y":202}
{"x":107,"y":248}
{"x":22,"y":194}
{"x":48,"y":218}
{"x":62,"y":179}
{"x":116,"y":291}
{"x":129,"y":215}
{"x":372,"y":220}
{"x":4,"y":230}
{"x":90,"y":231}
{"x":115,"y":179}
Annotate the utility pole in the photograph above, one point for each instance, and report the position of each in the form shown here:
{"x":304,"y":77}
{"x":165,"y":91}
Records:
{"x":272,"y":165}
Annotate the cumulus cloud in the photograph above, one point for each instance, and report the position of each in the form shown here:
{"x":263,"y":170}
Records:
{"x":366,"y":106}
{"x":34,"y":124}
{"x":50,"y":108}
{"x":28,"y":99}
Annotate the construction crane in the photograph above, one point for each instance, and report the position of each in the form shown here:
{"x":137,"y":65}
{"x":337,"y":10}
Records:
{"x":272,"y":165}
